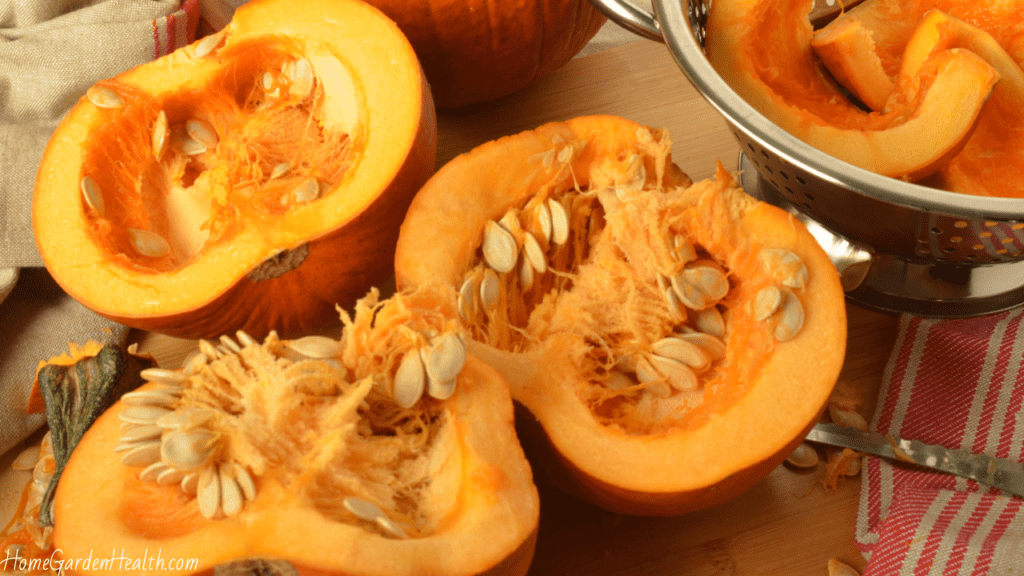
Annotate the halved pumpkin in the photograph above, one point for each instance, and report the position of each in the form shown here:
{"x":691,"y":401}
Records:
{"x":762,"y":49}
{"x":309,"y":456}
{"x":672,"y":341}
{"x":253,"y":179}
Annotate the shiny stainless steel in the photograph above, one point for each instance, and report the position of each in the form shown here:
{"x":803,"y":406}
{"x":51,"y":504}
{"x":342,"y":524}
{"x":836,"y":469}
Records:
{"x":932,"y":252}
{"x":1001,"y":473}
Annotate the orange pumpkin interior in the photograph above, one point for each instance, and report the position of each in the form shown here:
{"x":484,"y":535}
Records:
{"x":308,"y":152}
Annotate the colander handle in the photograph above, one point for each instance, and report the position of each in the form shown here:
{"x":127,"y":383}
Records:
{"x":636,"y":20}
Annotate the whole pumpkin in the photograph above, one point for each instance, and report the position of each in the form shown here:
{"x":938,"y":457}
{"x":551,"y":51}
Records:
{"x":479,"y":50}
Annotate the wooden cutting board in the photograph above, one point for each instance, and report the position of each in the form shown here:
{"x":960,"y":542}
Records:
{"x":786,"y":525}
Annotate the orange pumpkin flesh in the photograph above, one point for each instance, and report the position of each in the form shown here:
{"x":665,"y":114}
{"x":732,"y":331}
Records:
{"x":936,"y":111}
{"x":562,"y":343}
{"x":475,"y":51}
{"x":247,"y":246}
{"x":450,"y":473}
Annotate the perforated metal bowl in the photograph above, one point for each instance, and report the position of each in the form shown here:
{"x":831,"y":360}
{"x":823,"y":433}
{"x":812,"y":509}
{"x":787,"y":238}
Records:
{"x":899,"y":246}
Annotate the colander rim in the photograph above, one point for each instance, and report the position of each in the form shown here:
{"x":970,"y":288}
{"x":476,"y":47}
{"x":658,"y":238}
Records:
{"x":690,"y":57}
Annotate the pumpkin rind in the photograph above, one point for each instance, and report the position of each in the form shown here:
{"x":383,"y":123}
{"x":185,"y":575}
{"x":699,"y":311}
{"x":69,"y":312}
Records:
{"x":267,"y":269}
{"x":475,"y":51}
{"x":725,"y":447}
{"x":480,"y":483}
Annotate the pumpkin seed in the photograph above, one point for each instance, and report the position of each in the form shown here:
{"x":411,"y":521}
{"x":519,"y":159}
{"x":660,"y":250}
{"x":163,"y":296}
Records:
{"x":445,"y":358}
{"x":791,"y":317}
{"x":766,"y":302}
{"x":190,"y":146}
{"x":139,"y":432}
{"x":161,"y":398}
{"x":362,"y":509}
{"x":104,"y":97}
{"x":534,"y":254}
{"x":542,"y":214}
{"x":786,"y":266}
{"x":499,"y":248}
{"x":209,"y":350}
{"x":142,"y":455}
{"x":93,"y":196}
{"x":268,"y":81}
{"x":152,"y":472}
{"x":683,"y":351}
{"x":208,"y":492}
{"x":674,"y":305}
{"x":245,"y":482}
{"x":441,"y":390}
{"x":163,"y":376}
{"x":712,"y":345}
{"x":804,"y":456}
{"x":618,"y":380}
{"x":559,"y":222}
{"x":231,"y":498}
{"x":190,"y":483}
{"x":490,"y":291}
{"x":170,"y":476}
{"x":846,"y":417}
{"x":710,"y":321}
{"x":202,"y":131}
{"x":391,"y":527}
{"x":316,"y":347}
{"x":208,"y":44}
{"x":682,"y":249}
{"x":27,"y":459}
{"x":306,"y":191}
{"x":280,"y":169}
{"x":184,"y":418}
{"x":245,"y":339}
{"x":526,"y":275}
{"x":301,"y":75}
{"x":161,"y":129}
{"x":410,"y":380}
{"x":679,"y":375}
{"x":188,"y":450}
{"x":468,"y":305}
{"x":143,"y":414}
{"x":148,"y":243}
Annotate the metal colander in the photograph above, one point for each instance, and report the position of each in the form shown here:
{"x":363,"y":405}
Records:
{"x":899,"y":246}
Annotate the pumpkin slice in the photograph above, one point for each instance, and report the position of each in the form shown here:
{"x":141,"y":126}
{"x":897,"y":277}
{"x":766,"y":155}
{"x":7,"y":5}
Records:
{"x":254,"y":179}
{"x":389,"y":451}
{"x":847,"y":49}
{"x":764,"y":54}
{"x":671,"y":342}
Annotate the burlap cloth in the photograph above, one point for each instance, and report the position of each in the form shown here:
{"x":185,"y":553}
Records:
{"x":51,"y":51}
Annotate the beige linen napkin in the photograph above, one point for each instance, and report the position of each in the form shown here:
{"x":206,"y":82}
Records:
{"x":51,"y":51}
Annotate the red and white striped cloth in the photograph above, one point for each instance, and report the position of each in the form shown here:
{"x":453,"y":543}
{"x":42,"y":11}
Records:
{"x":960,"y":384}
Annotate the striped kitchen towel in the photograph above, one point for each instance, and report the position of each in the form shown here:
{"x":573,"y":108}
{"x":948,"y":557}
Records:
{"x":960,"y":384}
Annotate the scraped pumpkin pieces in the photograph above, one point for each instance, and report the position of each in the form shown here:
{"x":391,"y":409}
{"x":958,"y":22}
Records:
{"x":391,"y":440}
{"x":765,"y":56}
{"x":252,"y":180}
{"x":646,"y":322}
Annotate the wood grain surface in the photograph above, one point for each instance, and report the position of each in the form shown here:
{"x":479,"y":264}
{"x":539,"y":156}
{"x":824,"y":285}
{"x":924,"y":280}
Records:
{"x":786,"y":525}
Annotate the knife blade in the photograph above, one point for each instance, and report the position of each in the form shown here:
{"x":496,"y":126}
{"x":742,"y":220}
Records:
{"x":999,"y":472}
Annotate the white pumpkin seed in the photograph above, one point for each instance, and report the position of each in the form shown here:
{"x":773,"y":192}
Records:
{"x":190,"y":483}
{"x":208,"y":492}
{"x":152,"y":472}
{"x":306,"y":191}
{"x":245,"y":482}
{"x":559,"y":222}
{"x":188,"y":450}
{"x":280,"y":169}
{"x":543,"y":215}
{"x":534,"y":254}
{"x":804,"y":456}
{"x":441,"y":390}
{"x":712,"y":345}
{"x":468,"y":304}
{"x":184,"y":418}
{"x":301,"y":75}
{"x":142,"y":455}
{"x":202,"y":131}
{"x":679,"y":375}
{"x":785,"y":266}
{"x":674,"y":305}
{"x":683,"y":351}
{"x":446,"y":358}
{"x":410,"y":380}
{"x":490,"y":291}
{"x":846,"y":417}
{"x":163,"y":375}
{"x":161,"y":129}
{"x":268,"y":81}
{"x":391,"y":527}
{"x":245,"y":339}
{"x":499,"y":248}
{"x":710,"y":321}
{"x":766,"y":302}
{"x":526,"y":274}
{"x":104,"y":97}
{"x":142,"y":414}
{"x":618,"y":380}
{"x":231,"y":498}
{"x":208,"y":44}
{"x":317,"y":347}
{"x":362,"y":509}
{"x":170,"y":476}
{"x":682,"y":249}
{"x":790,"y":317}
{"x":148,"y":243}
{"x":139,"y":432}
{"x":190,"y":146}
{"x":161,"y":398}
{"x":93,"y":196}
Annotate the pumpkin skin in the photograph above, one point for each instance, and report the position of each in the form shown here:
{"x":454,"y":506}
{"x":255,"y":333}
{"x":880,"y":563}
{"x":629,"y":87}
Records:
{"x":480,"y":505}
{"x":762,"y":49}
{"x":246,"y":249}
{"x":903,"y":35}
{"x":759,"y":404}
{"x":475,"y":51}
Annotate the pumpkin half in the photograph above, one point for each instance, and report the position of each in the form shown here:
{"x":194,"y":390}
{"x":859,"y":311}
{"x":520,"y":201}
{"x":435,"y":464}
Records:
{"x":475,"y":50}
{"x":253,"y":179}
{"x":672,"y":341}
{"x":763,"y":50}
{"x":387,"y":452}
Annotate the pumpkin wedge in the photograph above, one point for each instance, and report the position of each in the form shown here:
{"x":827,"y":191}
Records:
{"x":671,"y":342}
{"x":763,"y":51}
{"x":254,"y":179}
{"x":387,"y":452}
